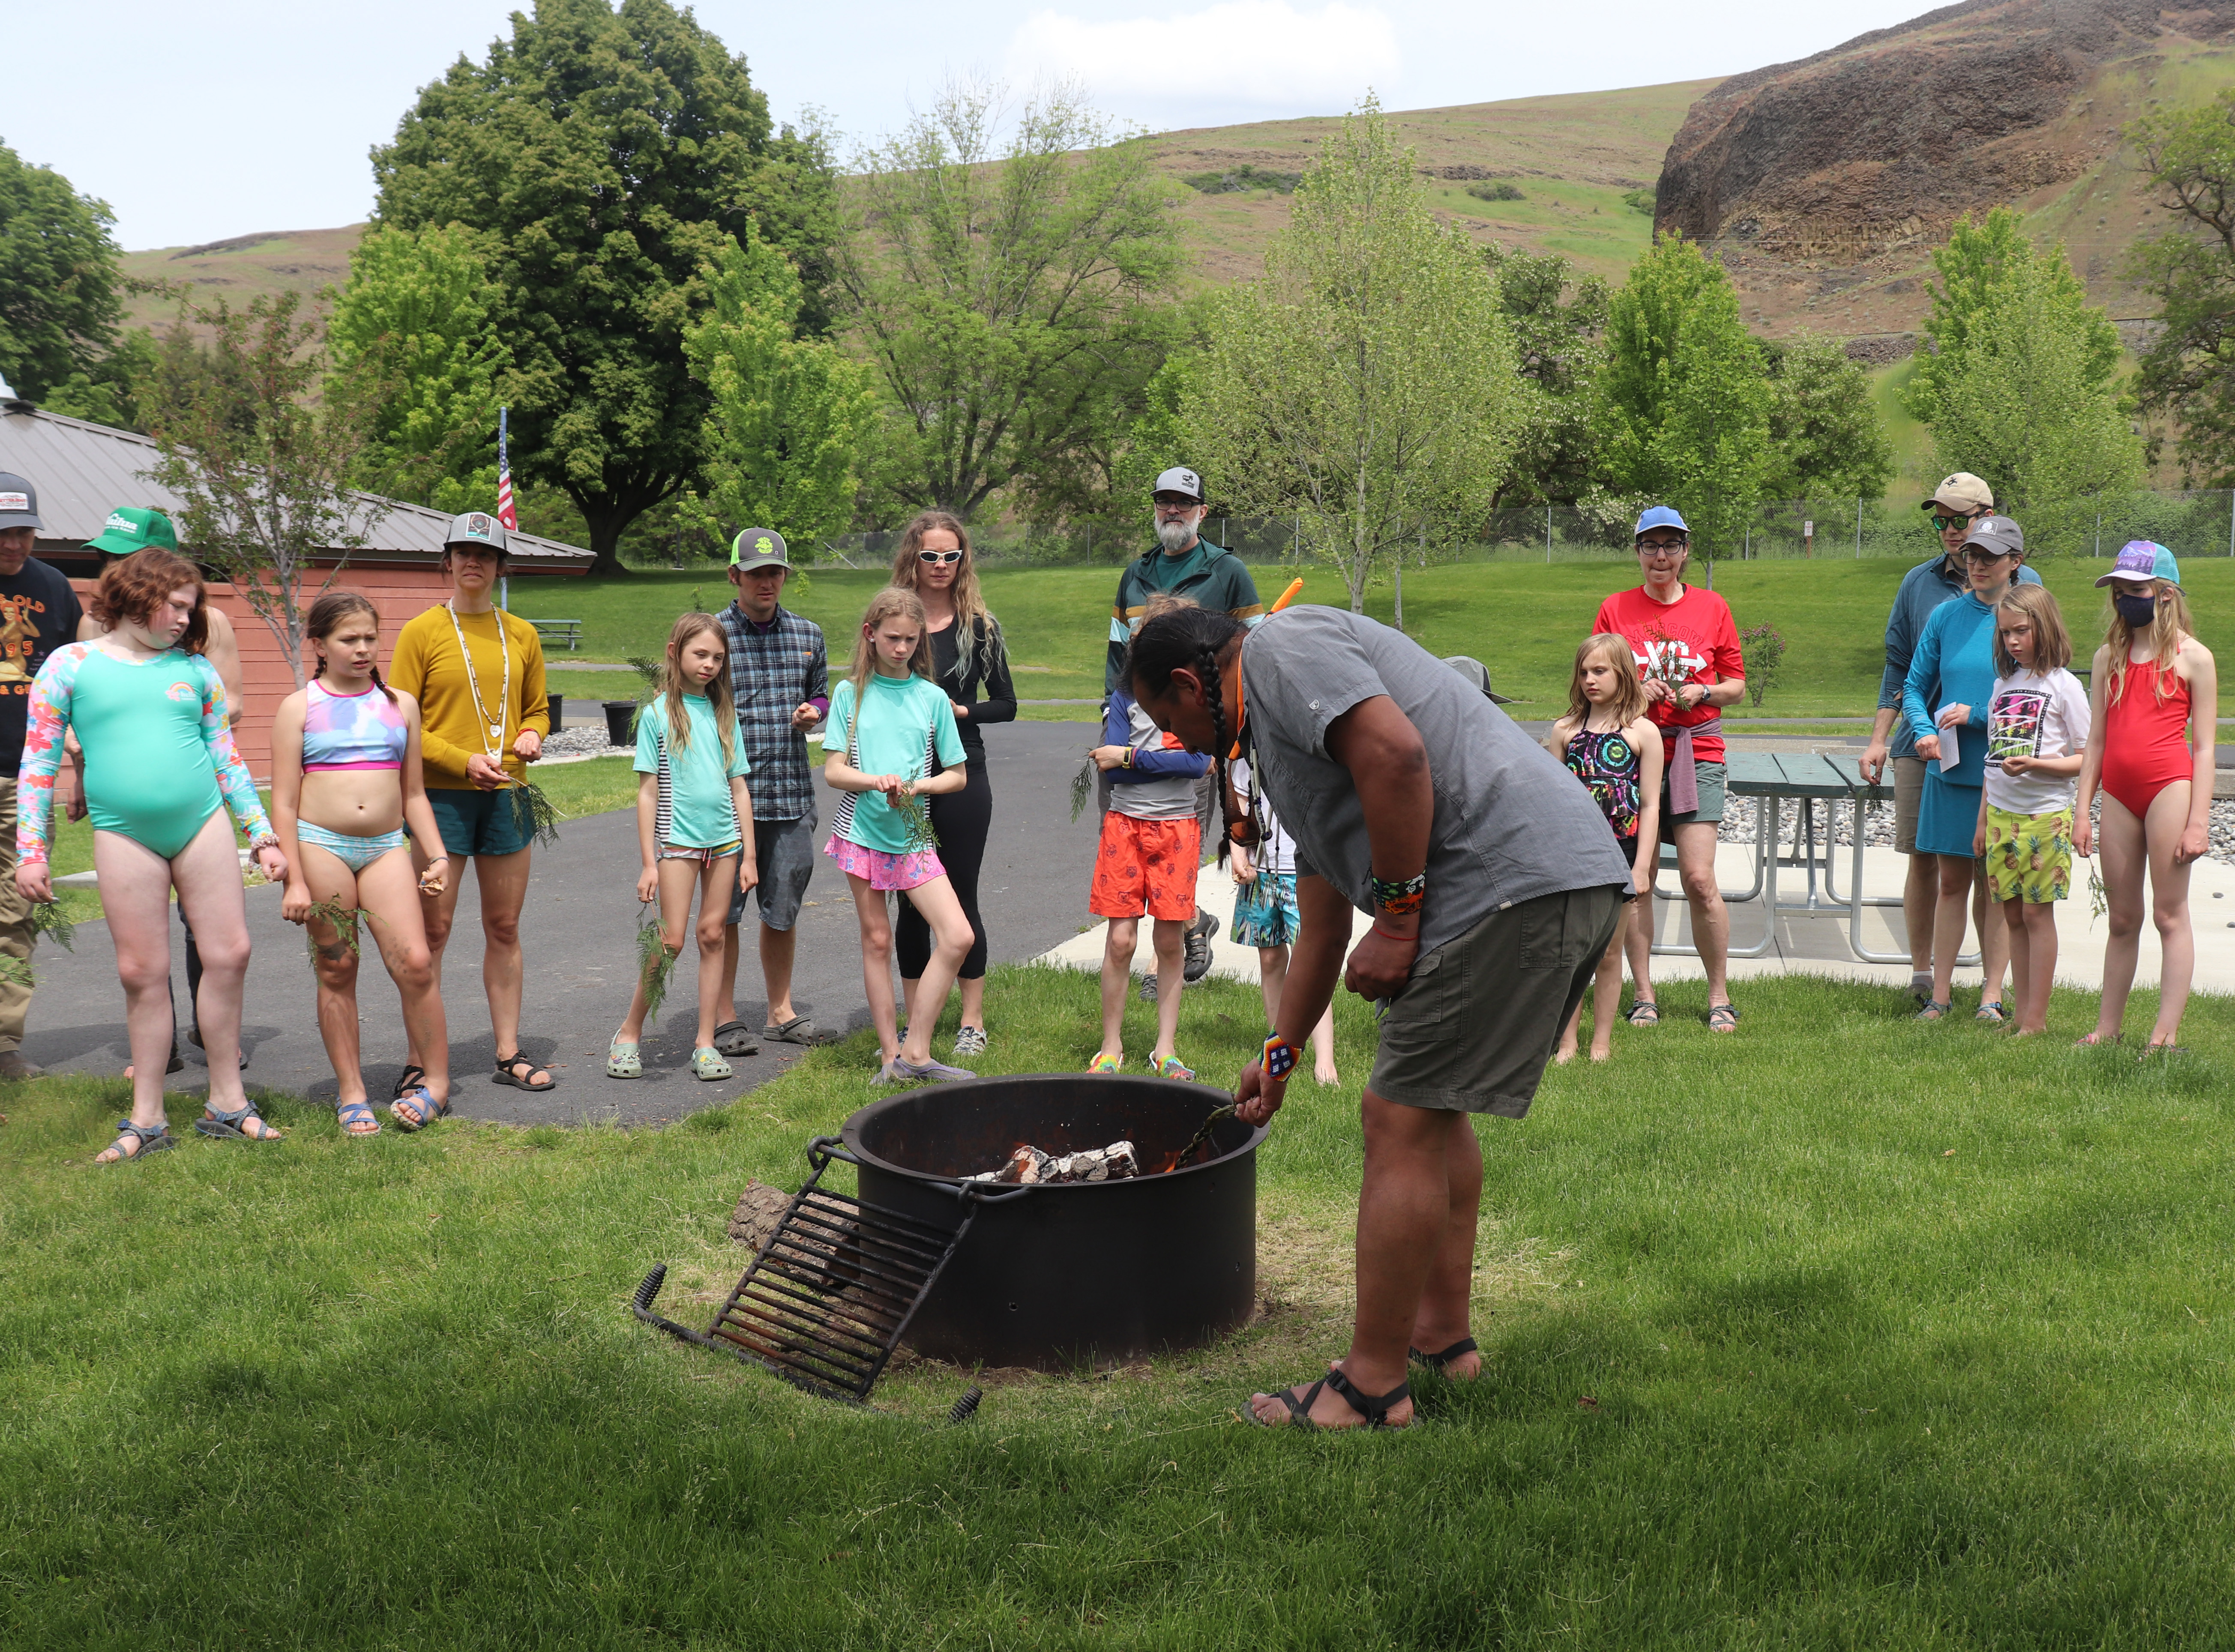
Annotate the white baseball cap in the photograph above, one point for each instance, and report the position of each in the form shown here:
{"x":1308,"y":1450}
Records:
{"x":1179,"y":480}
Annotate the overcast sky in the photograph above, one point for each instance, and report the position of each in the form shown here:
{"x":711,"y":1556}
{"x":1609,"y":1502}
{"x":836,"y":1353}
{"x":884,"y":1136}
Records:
{"x":199,"y":120}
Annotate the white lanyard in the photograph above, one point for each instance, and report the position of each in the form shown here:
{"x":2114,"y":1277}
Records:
{"x":494,"y":724}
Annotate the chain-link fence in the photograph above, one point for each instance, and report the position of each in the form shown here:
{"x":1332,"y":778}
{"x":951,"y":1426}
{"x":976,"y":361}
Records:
{"x":2197,"y":523}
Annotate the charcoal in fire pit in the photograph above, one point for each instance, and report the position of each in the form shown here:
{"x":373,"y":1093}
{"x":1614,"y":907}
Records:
{"x":1117,"y":1161}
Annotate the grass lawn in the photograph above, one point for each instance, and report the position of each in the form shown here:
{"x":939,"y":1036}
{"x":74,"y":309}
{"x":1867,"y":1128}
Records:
{"x":1522,"y":619}
{"x":1785,"y":1349}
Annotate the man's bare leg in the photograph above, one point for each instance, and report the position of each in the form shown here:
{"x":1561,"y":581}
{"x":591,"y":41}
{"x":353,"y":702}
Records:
{"x":1409,"y":1215}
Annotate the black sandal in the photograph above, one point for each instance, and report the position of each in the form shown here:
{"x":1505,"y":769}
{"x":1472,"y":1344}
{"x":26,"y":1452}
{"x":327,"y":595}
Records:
{"x":410,"y":1079}
{"x":1644,"y":1013}
{"x":1375,"y":1408}
{"x":507,"y":1073}
{"x":1437,"y":1361}
{"x":157,"y":1139}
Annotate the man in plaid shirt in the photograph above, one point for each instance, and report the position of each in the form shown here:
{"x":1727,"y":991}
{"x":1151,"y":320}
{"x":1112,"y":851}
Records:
{"x":780,"y":675}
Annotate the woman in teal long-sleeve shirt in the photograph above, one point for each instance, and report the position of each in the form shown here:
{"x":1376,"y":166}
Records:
{"x":1951,"y":677}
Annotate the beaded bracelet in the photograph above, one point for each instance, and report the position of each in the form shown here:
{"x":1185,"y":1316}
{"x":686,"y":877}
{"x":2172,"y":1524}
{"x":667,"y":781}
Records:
{"x":1401,"y":897}
{"x":1280,"y":1057}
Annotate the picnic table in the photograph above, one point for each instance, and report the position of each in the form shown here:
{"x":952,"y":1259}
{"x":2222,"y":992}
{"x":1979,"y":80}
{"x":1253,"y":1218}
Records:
{"x":1809,"y":778}
{"x":566,"y":631}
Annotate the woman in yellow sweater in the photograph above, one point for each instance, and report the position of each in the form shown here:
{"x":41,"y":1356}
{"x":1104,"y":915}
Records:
{"x":477,"y":673}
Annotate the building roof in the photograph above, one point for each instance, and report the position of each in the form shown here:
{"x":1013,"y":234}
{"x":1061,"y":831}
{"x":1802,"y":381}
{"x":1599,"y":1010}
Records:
{"x":83,"y":471}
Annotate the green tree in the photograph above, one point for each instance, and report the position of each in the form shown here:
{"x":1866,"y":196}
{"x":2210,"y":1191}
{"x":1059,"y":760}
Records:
{"x":2187,"y":373}
{"x":416,"y":317}
{"x":1684,"y":400}
{"x":1826,"y":437}
{"x":59,"y":308}
{"x":2025,"y":402}
{"x":1559,"y":325}
{"x":261,"y":445}
{"x":789,"y":414}
{"x":606,"y":157}
{"x":1975,"y":265}
{"x":1366,"y":386}
{"x":1011,"y":290}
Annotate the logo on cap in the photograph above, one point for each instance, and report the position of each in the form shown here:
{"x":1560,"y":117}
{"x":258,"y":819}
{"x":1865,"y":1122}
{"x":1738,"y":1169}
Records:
{"x":119,"y":522}
{"x":478,"y":523}
{"x":15,"y":502}
{"x":2141,"y":559}
{"x":763,"y":547}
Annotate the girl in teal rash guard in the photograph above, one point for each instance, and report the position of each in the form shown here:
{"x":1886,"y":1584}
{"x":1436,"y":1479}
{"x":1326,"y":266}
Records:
{"x":150,"y":713}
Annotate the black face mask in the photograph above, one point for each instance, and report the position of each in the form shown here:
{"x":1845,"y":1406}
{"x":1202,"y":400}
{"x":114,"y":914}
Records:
{"x":2140,"y":612}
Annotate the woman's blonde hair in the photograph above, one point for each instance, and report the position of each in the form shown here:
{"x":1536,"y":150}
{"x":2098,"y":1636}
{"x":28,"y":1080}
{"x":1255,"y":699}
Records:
{"x":890,"y":603}
{"x":2052,"y":642}
{"x":718,"y":694}
{"x":1629,"y":701}
{"x":971,"y":652}
{"x":2162,"y":641}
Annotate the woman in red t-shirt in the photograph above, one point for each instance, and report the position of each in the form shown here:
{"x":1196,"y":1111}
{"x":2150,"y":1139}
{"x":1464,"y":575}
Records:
{"x":1687,"y":646}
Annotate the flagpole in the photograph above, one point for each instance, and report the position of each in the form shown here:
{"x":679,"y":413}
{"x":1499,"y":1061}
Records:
{"x":505,"y":511}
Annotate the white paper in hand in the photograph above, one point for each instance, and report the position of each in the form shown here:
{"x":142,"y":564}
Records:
{"x":1951,"y":750}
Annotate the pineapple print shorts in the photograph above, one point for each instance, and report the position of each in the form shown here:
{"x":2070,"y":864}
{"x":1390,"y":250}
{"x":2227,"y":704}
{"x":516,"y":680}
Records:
{"x":2028,"y":857}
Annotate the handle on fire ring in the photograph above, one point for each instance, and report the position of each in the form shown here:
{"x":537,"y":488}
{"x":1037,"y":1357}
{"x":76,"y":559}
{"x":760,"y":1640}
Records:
{"x":823,"y":1149}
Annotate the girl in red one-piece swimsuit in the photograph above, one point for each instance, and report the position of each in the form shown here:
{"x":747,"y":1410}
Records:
{"x":2153,"y":684}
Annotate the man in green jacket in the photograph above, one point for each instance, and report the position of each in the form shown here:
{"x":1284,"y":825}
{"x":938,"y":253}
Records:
{"x":1184,"y":564}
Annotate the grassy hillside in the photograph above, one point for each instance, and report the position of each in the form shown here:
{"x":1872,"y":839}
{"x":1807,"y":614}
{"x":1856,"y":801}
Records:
{"x":239,"y":269}
{"x":1522,"y":619}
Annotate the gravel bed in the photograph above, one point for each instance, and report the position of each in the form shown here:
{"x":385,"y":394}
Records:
{"x":581,"y":742}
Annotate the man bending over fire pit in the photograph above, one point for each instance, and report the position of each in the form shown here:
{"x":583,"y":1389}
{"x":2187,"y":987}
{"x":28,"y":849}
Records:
{"x":1493,"y":888}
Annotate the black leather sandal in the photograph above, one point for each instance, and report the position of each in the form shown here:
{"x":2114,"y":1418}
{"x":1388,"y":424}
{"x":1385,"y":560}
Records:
{"x":1437,"y":1361}
{"x":1375,"y":1408}
{"x":516,"y":1070}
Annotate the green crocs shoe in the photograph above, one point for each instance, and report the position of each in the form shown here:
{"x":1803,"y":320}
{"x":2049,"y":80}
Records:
{"x":706,"y":1063}
{"x":623,"y":1061}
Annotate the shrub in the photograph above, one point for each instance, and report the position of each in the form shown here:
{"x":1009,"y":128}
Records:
{"x":1640,"y":200}
{"x":1238,"y":179}
{"x":1499,"y":191}
{"x":1762,"y":649}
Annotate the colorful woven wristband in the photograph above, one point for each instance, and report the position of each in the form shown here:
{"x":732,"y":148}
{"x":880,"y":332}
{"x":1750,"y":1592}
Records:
{"x":1280,"y":1057}
{"x":1401,"y":897}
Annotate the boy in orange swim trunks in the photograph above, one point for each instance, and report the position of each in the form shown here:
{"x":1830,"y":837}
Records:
{"x":1151,"y":846}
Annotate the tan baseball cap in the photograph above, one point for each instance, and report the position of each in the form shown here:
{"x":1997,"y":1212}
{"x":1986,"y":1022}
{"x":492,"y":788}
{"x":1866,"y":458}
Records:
{"x":1963,"y":492}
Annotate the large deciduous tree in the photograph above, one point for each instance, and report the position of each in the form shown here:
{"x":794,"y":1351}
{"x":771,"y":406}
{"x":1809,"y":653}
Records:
{"x":789,"y":414}
{"x":59,"y":308}
{"x":2187,"y":373}
{"x":607,"y":156}
{"x":1009,"y":281}
{"x":416,"y":317}
{"x":1684,"y":401}
{"x":1826,"y":438}
{"x":1366,"y":386}
{"x":1559,"y":323}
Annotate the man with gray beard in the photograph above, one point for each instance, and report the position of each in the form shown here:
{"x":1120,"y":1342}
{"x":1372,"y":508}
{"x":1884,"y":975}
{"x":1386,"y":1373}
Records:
{"x":1184,"y":564}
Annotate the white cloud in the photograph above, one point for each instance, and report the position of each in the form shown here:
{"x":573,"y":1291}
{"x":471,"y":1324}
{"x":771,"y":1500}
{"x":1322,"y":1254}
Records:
{"x":1253,"y":52}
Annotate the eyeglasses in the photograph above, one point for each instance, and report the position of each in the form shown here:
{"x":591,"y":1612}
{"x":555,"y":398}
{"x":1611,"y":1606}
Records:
{"x":1979,"y":556}
{"x":1662,"y":553}
{"x":1175,"y":501}
{"x":1941,"y":524}
{"x":939,"y":558}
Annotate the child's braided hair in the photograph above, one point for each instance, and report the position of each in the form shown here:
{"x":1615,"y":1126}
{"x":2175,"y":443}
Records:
{"x":1176,"y":632}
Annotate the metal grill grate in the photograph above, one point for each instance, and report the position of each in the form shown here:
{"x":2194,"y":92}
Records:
{"x":827,"y":1299}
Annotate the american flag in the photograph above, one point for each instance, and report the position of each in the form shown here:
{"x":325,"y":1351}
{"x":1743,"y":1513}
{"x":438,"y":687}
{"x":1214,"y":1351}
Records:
{"x":505,"y":512}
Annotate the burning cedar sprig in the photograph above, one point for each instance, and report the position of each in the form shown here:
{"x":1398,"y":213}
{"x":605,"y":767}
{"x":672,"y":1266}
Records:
{"x":536,"y":816}
{"x":654,"y":964}
{"x":341,"y":919}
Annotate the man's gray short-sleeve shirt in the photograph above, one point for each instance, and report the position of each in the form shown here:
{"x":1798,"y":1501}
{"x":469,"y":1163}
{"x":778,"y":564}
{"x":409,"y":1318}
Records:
{"x":1511,"y":822}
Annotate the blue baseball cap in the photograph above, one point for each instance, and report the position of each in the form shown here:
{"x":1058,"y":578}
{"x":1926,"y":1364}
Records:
{"x":1660,"y":517}
{"x":2140,"y":560}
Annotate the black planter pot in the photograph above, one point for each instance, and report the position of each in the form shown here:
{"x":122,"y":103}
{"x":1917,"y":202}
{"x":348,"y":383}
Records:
{"x":618,"y":714}
{"x":1074,"y":1274}
{"x":557,"y":705}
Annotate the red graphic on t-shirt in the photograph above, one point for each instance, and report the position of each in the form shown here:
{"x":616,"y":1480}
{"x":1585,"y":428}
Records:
{"x":1693,"y":639}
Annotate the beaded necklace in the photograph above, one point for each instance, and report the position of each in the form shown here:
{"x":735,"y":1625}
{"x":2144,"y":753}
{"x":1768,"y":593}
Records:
{"x":494,"y":724}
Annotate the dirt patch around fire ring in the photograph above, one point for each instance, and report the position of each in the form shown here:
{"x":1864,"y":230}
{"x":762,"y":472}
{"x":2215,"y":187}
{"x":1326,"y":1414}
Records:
{"x":1305,"y":1296}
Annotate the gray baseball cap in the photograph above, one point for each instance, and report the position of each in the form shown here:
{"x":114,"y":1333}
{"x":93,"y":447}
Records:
{"x":476,"y":528}
{"x":1179,"y":480}
{"x":760,"y":547}
{"x":19,"y":502}
{"x":1998,"y":533}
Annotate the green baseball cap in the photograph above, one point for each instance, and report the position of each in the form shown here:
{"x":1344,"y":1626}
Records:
{"x":132,"y":528}
{"x":758,"y":548}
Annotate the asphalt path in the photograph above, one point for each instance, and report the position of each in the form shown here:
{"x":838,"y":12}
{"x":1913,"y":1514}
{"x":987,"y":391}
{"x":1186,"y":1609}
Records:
{"x":578,"y":932}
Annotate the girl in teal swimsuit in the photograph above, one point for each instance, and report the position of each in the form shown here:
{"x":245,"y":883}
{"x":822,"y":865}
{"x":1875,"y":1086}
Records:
{"x":344,"y":782}
{"x":149,"y":714}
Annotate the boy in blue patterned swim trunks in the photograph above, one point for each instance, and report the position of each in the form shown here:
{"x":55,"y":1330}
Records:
{"x":1266,"y":915}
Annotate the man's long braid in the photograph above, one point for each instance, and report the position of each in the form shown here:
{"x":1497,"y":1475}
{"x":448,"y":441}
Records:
{"x":1214,"y":695}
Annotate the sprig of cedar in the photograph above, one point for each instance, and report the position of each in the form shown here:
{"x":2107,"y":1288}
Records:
{"x":654,"y":964}
{"x":342,"y":919}
{"x":916,"y":817}
{"x":47,"y":924}
{"x":1082,"y":787}
{"x":534,"y":814}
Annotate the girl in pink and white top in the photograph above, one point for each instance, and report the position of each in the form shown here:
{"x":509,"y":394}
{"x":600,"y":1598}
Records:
{"x":345,"y":781}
